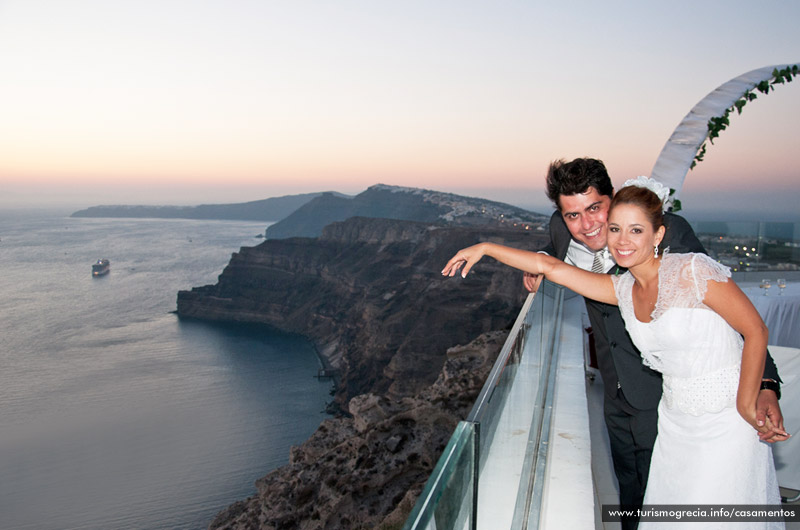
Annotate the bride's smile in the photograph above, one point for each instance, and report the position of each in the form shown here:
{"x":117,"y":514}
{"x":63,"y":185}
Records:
{"x":631,"y":236}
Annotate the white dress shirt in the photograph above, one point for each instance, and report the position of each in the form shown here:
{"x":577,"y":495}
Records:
{"x":583,"y":257}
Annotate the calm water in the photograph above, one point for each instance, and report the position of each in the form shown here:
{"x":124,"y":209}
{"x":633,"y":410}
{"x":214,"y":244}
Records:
{"x":113,"y":413}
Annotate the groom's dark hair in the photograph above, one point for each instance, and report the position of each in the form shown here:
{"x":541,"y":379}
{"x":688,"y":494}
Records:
{"x":572,"y":178}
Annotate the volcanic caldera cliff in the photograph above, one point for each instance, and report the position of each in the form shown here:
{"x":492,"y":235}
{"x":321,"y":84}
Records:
{"x":369,"y":293}
{"x":366,"y":471}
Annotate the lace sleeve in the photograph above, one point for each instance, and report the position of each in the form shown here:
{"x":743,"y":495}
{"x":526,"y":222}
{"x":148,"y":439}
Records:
{"x":704,"y":269}
{"x":622,"y":288}
{"x":620,"y":284}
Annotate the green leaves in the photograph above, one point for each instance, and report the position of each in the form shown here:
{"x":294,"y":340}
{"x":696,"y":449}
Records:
{"x":699,"y":156}
{"x":720,"y":123}
{"x":785,"y":75}
{"x":672,"y":204}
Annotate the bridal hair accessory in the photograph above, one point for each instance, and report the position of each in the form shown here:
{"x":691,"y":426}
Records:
{"x":663,"y":192}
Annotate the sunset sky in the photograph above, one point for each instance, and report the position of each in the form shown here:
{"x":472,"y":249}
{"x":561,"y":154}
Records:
{"x":189,"y":102}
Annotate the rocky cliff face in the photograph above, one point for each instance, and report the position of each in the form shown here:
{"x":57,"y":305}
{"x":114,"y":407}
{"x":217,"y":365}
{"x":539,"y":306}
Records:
{"x":365,"y":472}
{"x":370,"y":294}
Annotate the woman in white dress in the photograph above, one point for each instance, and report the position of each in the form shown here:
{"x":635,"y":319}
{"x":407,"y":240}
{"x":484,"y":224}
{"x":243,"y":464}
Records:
{"x":701,"y":332}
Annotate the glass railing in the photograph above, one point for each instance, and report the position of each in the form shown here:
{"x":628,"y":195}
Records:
{"x":505,"y":435}
{"x":448,"y":499}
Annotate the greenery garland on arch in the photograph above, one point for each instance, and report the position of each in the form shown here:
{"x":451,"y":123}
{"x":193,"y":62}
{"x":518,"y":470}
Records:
{"x":718,"y":124}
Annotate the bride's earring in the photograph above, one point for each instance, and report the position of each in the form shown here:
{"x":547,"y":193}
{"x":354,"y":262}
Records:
{"x":655,"y":251}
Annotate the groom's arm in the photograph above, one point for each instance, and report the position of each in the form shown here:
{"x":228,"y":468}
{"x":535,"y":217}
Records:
{"x":679,"y":237}
{"x":767,"y":407}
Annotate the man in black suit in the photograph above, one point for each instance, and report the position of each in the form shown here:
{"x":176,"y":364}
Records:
{"x":581,"y":190}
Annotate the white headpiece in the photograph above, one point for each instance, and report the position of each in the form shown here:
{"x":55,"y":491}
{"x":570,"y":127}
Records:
{"x":656,"y":187}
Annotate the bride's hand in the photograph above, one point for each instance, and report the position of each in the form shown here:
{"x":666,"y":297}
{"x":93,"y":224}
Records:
{"x":464,"y":258}
{"x":766,"y":432}
{"x":771,"y":433}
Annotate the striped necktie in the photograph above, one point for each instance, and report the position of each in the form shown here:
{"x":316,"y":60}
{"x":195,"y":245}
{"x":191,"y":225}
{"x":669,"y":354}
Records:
{"x":597,"y":264}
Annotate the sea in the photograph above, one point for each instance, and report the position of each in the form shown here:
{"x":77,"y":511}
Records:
{"x":116,"y":414}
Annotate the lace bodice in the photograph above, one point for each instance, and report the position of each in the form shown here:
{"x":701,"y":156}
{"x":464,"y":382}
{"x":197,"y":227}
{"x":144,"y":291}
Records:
{"x":695,"y":349}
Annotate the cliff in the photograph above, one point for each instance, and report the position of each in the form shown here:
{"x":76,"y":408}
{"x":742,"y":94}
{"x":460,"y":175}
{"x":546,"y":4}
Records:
{"x":365,"y":472}
{"x":370,"y":294}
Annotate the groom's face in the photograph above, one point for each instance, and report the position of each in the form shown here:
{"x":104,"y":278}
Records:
{"x":586,"y":216}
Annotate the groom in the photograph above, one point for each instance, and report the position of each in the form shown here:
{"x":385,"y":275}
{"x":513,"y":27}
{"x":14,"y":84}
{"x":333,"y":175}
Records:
{"x":581,"y":191}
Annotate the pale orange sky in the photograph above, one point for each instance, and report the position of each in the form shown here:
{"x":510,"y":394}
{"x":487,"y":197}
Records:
{"x":205,"y":102}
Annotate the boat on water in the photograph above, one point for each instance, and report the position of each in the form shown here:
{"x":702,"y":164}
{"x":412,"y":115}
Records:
{"x":101,"y":267}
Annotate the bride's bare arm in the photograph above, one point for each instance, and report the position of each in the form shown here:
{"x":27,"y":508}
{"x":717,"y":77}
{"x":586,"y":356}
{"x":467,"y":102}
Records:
{"x":733,"y":305}
{"x":595,"y":286}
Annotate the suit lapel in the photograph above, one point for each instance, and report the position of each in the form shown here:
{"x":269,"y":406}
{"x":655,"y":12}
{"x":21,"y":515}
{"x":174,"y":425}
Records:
{"x":616,"y":270}
{"x":559,"y":235}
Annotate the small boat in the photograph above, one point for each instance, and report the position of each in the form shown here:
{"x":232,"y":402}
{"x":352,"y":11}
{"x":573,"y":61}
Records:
{"x":101,"y":267}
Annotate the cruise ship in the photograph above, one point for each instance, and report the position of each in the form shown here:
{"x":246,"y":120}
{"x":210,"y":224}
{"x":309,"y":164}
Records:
{"x":101,"y":267}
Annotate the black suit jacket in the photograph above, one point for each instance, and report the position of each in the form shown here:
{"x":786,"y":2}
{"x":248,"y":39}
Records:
{"x":619,"y":361}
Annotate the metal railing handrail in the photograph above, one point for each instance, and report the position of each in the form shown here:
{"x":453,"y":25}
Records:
{"x":538,"y":438}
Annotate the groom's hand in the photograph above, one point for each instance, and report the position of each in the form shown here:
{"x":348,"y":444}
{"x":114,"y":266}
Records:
{"x":532,"y":281}
{"x":767,"y":408}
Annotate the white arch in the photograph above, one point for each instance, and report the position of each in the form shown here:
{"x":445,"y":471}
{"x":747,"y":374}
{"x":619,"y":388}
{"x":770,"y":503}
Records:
{"x":678,"y":153}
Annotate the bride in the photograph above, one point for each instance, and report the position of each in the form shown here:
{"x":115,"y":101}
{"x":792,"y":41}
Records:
{"x":701,"y":332}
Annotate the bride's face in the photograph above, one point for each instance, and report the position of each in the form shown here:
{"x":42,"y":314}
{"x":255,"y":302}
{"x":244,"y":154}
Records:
{"x":631,"y":235}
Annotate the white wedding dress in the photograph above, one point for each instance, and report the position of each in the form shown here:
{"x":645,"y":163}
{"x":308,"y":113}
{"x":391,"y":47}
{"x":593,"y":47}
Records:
{"x":705,"y":452}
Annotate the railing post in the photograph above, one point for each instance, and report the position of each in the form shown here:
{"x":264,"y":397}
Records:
{"x":476,"y":473}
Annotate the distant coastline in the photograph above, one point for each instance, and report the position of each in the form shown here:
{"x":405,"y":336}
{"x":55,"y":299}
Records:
{"x":272,"y":209}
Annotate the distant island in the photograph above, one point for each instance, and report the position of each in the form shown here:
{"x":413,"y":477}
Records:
{"x":306,"y":215}
{"x":382,"y":201}
{"x":268,"y":210}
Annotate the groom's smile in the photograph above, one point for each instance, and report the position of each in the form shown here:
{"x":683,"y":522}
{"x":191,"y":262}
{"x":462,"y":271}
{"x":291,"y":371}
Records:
{"x":586,"y":216}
